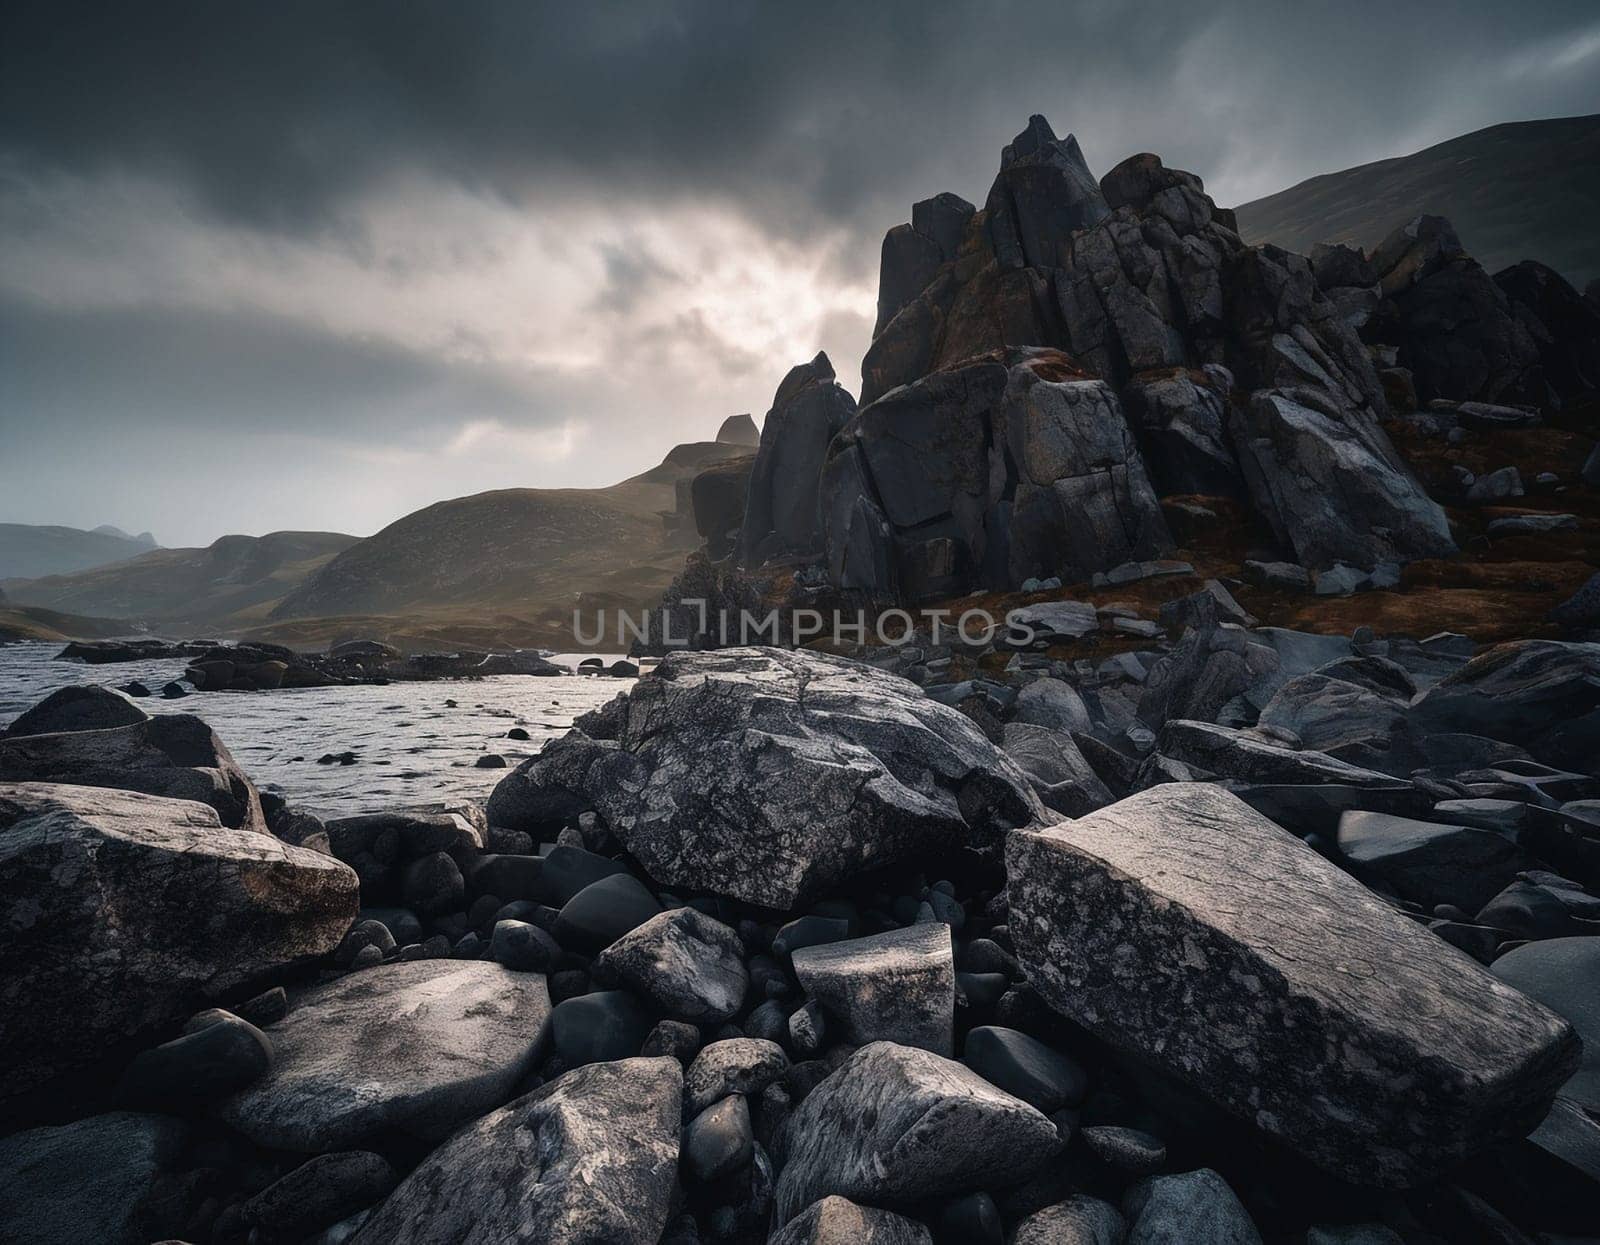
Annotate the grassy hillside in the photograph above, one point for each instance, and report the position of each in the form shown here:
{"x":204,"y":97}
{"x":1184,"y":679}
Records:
{"x":1526,"y":190}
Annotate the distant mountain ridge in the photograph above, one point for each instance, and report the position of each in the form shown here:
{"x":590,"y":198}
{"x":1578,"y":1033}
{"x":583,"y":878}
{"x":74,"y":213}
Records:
{"x":1523,"y":190}
{"x":230,"y":582}
{"x":29,"y":550}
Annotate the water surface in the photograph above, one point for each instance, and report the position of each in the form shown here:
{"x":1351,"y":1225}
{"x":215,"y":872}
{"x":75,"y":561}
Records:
{"x":412,"y":745}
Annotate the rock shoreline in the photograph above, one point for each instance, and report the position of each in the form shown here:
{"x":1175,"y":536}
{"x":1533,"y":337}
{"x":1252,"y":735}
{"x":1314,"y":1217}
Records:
{"x":607,"y":1008}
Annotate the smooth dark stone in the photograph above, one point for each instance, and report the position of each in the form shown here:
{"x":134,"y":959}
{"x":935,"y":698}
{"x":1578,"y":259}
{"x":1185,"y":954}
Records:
{"x":596,"y":1028}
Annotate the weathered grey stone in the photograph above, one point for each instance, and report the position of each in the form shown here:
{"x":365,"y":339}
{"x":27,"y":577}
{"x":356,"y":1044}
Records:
{"x":1043,"y":193}
{"x":1058,"y":619}
{"x":732,"y":1066}
{"x":87,"y":707}
{"x":125,"y":912}
{"x":1190,"y":1206}
{"x":589,"y":1158}
{"x":895,"y":1124}
{"x":1052,"y":703}
{"x":322,"y":1191}
{"x":1225,"y":752}
{"x":90,"y":1180}
{"x":781,"y":509}
{"x":1061,"y":777}
{"x":1181,"y":418}
{"x":767,"y":775}
{"x":898,"y":986}
{"x":1002,"y":468}
{"x":1145,"y":923}
{"x":1564,"y":975}
{"x":1331,"y":485}
{"x":837,"y":1220}
{"x":687,"y":963}
{"x":1080,"y":1220}
{"x":174,"y":755}
{"x":1430,"y":863}
{"x":1327,"y":713}
{"x":1543,"y":695}
{"x":417,"y":1047}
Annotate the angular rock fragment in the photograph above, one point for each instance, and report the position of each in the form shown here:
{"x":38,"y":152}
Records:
{"x":416,"y":1047}
{"x":1564,"y":975}
{"x":125,"y":912}
{"x":1430,"y":863}
{"x":898,"y":986}
{"x":1330,"y":484}
{"x":1222,"y":751}
{"x":895,"y":1124}
{"x":589,"y":1158}
{"x":837,"y":1220}
{"x":1062,"y":778}
{"x":767,"y":775}
{"x":175,"y":755}
{"x":688,"y":964}
{"x":1181,"y":925}
{"x":732,"y":1066}
{"x":1543,"y":695}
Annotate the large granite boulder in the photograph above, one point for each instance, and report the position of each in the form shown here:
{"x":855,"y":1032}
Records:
{"x":174,"y":755}
{"x":768,"y":775}
{"x":86,"y":707}
{"x":1181,"y":419}
{"x":1185,"y":928}
{"x":1062,"y":777}
{"x":416,"y":1047}
{"x":1542,"y":695}
{"x":122,"y":913}
{"x":781,"y":515}
{"x":91,"y":1180}
{"x":589,"y":1159}
{"x":1006,"y":467}
{"x":895,"y":1124}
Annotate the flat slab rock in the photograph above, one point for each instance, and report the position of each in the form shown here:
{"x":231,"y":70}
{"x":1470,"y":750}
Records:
{"x":895,"y":1124}
{"x":687,"y":963}
{"x":419,"y":1047}
{"x":1183,"y":926}
{"x":898,"y":986}
{"x":590,"y":1158}
{"x":767,"y":775}
{"x":125,"y":912}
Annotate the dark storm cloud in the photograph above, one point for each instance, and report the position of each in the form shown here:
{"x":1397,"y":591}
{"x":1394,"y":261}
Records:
{"x":277,"y":113}
{"x":503,"y":217}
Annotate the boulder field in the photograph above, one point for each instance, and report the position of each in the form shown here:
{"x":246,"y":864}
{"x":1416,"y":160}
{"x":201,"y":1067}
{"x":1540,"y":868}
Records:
{"x":1208,"y":906}
{"x":782,"y":946}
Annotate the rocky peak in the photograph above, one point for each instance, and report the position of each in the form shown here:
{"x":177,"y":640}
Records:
{"x":1043,"y":193}
{"x":739,"y":430}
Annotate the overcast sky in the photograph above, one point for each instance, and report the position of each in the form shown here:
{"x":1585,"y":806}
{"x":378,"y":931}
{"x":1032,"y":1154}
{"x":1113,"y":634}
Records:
{"x":315,"y":265}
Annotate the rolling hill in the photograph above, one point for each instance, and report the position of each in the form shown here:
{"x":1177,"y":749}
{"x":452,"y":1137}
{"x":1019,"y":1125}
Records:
{"x":230,"y":583}
{"x":506,"y":566}
{"x":28,"y":551}
{"x":1524,"y":190}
